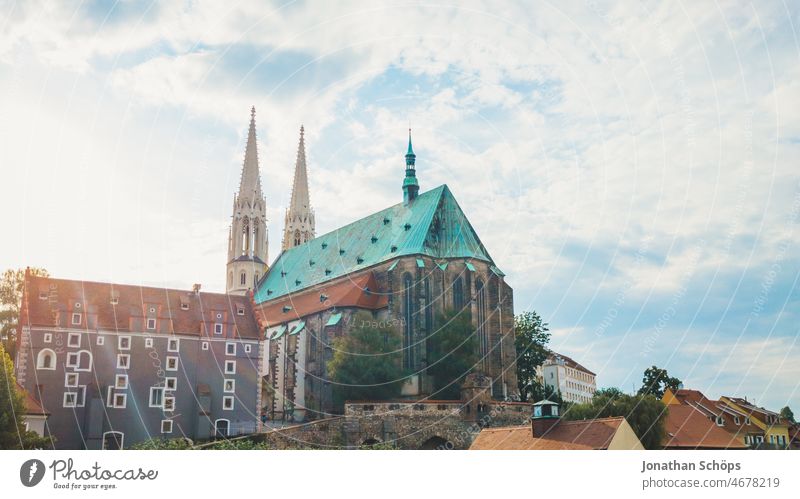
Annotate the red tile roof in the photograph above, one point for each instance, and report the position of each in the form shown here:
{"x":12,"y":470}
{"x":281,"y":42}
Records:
{"x":360,"y":291}
{"x":593,"y":434}
{"x":32,"y":406}
{"x":47,"y":299}
{"x":688,"y":428}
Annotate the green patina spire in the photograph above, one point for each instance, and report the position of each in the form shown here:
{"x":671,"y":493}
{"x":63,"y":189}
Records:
{"x":410,"y":184}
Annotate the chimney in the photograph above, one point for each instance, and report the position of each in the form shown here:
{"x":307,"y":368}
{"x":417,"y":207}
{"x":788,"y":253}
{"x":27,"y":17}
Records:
{"x":196,"y":288}
{"x":545,"y":418}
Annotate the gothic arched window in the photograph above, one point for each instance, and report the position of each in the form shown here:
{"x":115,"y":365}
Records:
{"x":408,"y":321}
{"x":297,"y":238}
{"x":428,"y":306}
{"x":483,"y":340}
{"x":46,"y":359}
{"x":256,"y":246}
{"x":245,"y":236}
{"x":243,"y":279}
{"x":458,"y":294}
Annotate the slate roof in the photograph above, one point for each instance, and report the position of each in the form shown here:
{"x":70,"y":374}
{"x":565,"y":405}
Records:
{"x":95,"y":299}
{"x":688,"y":428}
{"x":591,"y":434}
{"x":433,"y":225}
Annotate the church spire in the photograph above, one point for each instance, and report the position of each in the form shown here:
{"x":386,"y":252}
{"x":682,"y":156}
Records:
{"x":250,"y":184}
{"x":410,"y":184}
{"x":299,"y":225}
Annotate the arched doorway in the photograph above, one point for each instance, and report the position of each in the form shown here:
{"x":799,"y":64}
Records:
{"x":436,"y":443}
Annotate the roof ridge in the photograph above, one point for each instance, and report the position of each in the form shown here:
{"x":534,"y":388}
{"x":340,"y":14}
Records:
{"x":154,"y":288}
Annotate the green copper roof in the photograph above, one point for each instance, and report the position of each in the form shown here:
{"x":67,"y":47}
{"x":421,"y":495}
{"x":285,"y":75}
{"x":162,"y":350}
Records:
{"x":299,"y":327}
{"x":432,"y":224}
{"x":334,"y":319}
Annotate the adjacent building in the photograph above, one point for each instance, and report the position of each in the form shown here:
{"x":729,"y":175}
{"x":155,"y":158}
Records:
{"x":548,"y":432}
{"x":114,"y":365}
{"x":752,"y":426}
{"x":688,"y":428}
{"x":573,"y":381}
{"x":403,"y":265}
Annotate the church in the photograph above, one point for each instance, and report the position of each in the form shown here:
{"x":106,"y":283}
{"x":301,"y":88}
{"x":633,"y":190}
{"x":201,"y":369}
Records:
{"x":404,"y":263}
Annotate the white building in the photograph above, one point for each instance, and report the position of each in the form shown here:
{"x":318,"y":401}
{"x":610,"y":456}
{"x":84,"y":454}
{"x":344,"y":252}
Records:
{"x":572,"y":380}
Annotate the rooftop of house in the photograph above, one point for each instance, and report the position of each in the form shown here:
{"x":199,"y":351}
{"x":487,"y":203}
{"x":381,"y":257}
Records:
{"x":433,"y":224}
{"x":568,"y":361}
{"x":32,"y":406}
{"x":354,"y":291}
{"x":686,"y":427}
{"x":114,"y":305}
{"x":591,"y":434}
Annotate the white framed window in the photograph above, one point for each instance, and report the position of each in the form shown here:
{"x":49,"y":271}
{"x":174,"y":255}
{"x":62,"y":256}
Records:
{"x":156,"y":396}
{"x":120,"y":400}
{"x":72,"y":359}
{"x":720,"y":421}
{"x":166,"y":426}
{"x":114,"y":300}
{"x":184,"y":306}
{"x":46,"y":360}
{"x":173,"y":345}
{"x":70,"y":399}
{"x":229,"y":386}
{"x":221,"y":427}
{"x":113,"y":440}
{"x":247,"y":348}
{"x":124,"y":342}
{"x":74,"y":340}
{"x":217,"y":328}
{"x":230,"y":367}
{"x":48,"y":337}
{"x":148,"y":342}
{"x":121,"y":382}
{"x":171,"y":383}
{"x":230,"y":348}
{"x":239,"y":310}
{"x":169,"y":403}
{"x":172,"y":363}
{"x":70,"y":380}
{"x":736,"y":420}
{"x":123,"y":361}
{"x":227,"y":403}
{"x":101,"y":340}
{"x":204,"y":345}
{"x":747,"y":421}
{"x":76,"y":319}
{"x":151,"y":323}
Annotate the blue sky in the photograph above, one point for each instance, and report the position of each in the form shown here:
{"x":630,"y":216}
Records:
{"x":632,"y":167}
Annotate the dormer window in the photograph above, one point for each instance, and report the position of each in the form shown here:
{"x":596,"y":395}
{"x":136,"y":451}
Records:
{"x":217,"y":328}
{"x":76,"y":319}
{"x":184,"y":306}
{"x":720,"y":421}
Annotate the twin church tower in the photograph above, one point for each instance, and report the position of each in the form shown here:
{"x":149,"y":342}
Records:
{"x":248,"y":237}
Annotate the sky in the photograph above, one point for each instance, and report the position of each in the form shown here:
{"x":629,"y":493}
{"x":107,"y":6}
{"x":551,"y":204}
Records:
{"x":631,"y":166}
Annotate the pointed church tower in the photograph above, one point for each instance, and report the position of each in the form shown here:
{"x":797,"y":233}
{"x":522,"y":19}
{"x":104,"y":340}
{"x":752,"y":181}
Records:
{"x":299,"y":224}
{"x":410,"y":184}
{"x":247,"y":237}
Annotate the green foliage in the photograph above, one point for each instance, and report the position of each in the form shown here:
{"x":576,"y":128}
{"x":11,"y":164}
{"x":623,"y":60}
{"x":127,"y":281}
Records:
{"x":11,"y":286}
{"x":238,"y":444}
{"x":452,"y":353}
{"x":786,"y":413}
{"x":539,"y":391}
{"x":164,"y":444}
{"x":12,"y":411}
{"x":380,"y":446}
{"x":530,"y":338}
{"x":367,"y":362}
{"x":655,"y":382}
{"x":645,"y":413}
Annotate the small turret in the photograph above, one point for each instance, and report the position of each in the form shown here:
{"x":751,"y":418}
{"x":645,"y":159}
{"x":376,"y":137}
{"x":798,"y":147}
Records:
{"x":410,"y":184}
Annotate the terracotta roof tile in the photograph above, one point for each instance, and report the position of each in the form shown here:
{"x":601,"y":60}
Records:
{"x":48,"y":299}
{"x":32,"y":406}
{"x":587,"y":435}
{"x":688,"y":428}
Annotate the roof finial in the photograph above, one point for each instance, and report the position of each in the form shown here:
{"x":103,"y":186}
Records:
{"x":253,"y":112}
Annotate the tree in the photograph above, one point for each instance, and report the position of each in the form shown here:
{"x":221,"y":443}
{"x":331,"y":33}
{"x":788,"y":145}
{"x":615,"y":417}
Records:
{"x":539,"y":391}
{"x":530,"y":338}
{"x":452,"y":353}
{"x":12,"y":411}
{"x":12,"y":283}
{"x":655,"y":382}
{"x":645,"y":413}
{"x":786,"y":413}
{"x":367,"y":362}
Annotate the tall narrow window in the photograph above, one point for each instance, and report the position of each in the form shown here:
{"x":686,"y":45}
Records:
{"x":408,"y":320}
{"x":483,"y":340}
{"x":428,"y":307}
{"x":458,"y":294}
{"x":297,"y":238}
{"x":243,"y":279}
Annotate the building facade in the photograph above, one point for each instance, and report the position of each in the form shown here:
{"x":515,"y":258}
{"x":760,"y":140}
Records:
{"x":247,"y":237}
{"x":574,"y":382}
{"x":403,"y":264}
{"x":114,"y":365}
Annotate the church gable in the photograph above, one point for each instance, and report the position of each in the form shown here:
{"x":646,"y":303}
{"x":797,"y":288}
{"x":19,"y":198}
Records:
{"x":433,"y":225}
